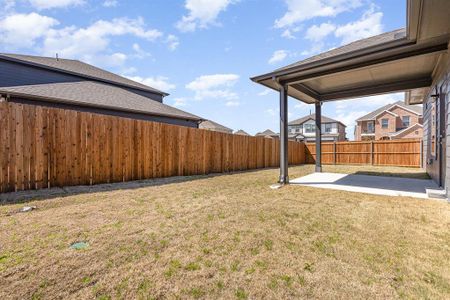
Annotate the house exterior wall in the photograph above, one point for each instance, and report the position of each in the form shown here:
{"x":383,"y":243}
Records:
{"x":416,"y":133}
{"x":337,"y":132}
{"x":381,"y":132}
{"x":15,"y":74}
{"x":401,"y":112}
{"x":439,"y":162}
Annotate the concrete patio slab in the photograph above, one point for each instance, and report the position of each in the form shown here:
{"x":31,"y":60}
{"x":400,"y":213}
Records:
{"x":378,"y":185}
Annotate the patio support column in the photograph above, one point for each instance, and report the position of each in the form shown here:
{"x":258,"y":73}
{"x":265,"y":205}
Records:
{"x":318,"y":136}
{"x":284,"y":178}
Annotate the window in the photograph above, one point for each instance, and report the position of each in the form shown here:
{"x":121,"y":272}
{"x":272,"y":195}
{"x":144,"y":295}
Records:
{"x":310,"y":128}
{"x":370,"y":127}
{"x":405,"y":121}
{"x":384,"y":123}
{"x":328,"y":128}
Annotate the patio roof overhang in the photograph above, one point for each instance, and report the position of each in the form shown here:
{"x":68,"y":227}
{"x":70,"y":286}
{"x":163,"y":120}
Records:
{"x":402,"y":60}
{"x":395,"y":66}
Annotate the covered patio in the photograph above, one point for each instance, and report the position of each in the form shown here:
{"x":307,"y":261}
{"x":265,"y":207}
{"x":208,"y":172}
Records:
{"x":402,"y":60}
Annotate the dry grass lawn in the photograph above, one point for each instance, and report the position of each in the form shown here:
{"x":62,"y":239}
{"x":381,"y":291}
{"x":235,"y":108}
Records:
{"x":228,"y":236}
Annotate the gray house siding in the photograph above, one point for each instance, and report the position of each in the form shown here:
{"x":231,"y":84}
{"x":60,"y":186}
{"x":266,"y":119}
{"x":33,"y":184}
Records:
{"x":160,"y":119}
{"x":16,"y":74}
{"x":438,"y":166}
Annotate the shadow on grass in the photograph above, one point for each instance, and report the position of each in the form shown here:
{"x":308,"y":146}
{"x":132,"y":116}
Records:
{"x":58,"y":192}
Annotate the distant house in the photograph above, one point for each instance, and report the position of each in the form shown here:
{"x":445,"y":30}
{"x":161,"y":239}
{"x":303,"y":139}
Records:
{"x":268,"y":134}
{"x":304,"y":129}
{"x":393,"y":121}
{"x":241,"y":132}
{"x":72,"y":84}
{"x":213,"y":126}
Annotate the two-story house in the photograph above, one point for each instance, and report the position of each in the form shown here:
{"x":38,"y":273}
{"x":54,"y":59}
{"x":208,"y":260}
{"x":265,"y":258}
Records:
{"x":304,"y":129}
{"x":392,"y":121}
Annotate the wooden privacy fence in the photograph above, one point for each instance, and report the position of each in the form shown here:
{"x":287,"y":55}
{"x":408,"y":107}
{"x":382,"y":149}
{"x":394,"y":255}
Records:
{"x":405,"y":153}
{"x":43,"y":147}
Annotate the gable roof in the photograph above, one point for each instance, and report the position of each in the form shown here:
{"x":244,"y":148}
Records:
{"x":78,"y":68}
{"x":349,"y":48}
{"x":313,"y":117}
{"x":99,"y":95}
{"x":241,"y":132}
{"x":267,"y":132}
{"x":406,"y":129}
{"x":371,"y":116}
{"x":211,"y":125}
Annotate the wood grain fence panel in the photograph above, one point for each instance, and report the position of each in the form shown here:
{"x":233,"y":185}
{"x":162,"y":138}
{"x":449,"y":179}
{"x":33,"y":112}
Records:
{"x":44,"y":147}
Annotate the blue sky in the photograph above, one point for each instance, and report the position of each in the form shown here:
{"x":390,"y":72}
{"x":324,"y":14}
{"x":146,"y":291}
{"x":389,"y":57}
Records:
{"x":203,"y":52}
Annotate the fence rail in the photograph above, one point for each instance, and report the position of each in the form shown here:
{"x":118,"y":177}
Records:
{"x":44,"y":147}
{"x":404,"y":153}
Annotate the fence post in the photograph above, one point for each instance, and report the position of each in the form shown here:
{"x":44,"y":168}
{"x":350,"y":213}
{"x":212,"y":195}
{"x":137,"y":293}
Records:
{"x":334,"y":152}
{"x":421,"y":154}
{"x":371,"y":153}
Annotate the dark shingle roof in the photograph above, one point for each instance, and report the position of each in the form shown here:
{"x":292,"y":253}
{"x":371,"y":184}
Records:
{"x":76,"y":67}
{"x":210,"y":125}
{"x":241,"y":132}
{"x":95,"y":94}
{"x":354,"y":46}
{"x":373,"y":114}
{"x":313,"y":117}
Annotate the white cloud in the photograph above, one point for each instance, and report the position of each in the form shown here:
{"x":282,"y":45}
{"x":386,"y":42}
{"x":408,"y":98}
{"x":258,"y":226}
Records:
{"x":179,"y":102}
{"x":265,"y":92}
{"x":172,"y":42}
{"x":87,"y":43}
{"x":22,"y":30}
{"x":301,"y":10}
{"x":289,"y":32}
{"x":317,"y":33}
{"x":140,"y":53}
{"x":160,"y":82}
{"x":202,"y":13}
{"x":214,"y":86}
{"x":271,"y":111}
{"x":110,"y":3}
{"x":48,"y":4}
{"x":278,"y":56}
{"x":368,"y":25}
{"x":233,"y":103}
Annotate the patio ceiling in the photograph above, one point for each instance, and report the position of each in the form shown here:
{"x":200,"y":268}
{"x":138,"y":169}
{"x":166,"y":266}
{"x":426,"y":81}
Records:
{"x":401,"y":60}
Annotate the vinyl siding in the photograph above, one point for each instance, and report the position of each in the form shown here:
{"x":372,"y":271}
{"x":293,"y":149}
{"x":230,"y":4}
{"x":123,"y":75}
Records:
{"x":15,"y":74}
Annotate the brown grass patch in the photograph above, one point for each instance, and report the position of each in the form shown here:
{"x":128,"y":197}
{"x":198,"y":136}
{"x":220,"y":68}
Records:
{"x":228,"y":236}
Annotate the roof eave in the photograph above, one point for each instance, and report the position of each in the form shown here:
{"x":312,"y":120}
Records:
{"x":152,"y":90}
{"x":335,"y":59}
{"x":68,"y":102}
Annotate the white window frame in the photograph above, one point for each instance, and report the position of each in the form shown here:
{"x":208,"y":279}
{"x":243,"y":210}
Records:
{"x":382,"y":123}
{"x":403,"y":121}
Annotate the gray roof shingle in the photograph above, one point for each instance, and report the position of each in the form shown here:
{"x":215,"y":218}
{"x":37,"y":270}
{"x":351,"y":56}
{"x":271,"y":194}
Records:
{"x":266,"y":133}
{"x":241,"y":132}
{"x":96,"y":94}
{"x":210,"y":125}
{"x":76,"y":67}
{"x":354,"y":46}
{"x":373,"y":114}
{"x":313,"y":117}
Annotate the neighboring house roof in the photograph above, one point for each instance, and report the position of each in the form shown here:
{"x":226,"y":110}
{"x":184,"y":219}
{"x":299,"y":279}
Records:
{"x":241,"y":132}
{"x":385,"y":111}
{"x":78,"y":68}
{"x":267,"y":132}
{"x":313,"y":117}
{"x":210,"y":125}
{"x":405,"y":130}
{"x":96,"y":94}
{"x":372,"y":115}
{"x":354,"y":46}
